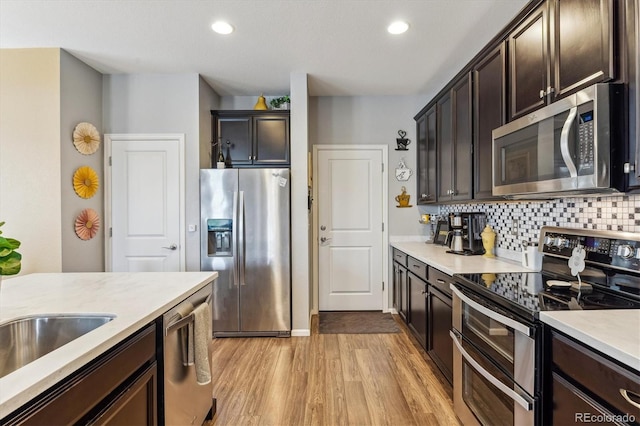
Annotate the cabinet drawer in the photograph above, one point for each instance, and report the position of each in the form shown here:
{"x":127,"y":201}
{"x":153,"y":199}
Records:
{"x":603,"y":378}
{"x":400,"y":257}
{"x":440,"y":280}
{"x":418,"y":268}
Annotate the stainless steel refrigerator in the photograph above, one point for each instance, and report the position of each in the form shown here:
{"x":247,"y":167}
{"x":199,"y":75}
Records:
{"x":246,"y":238}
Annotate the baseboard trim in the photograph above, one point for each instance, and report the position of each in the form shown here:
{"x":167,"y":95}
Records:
{"x":303,"y":332}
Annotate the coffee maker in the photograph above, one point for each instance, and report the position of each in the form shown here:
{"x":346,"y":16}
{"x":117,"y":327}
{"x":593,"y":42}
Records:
{"x":464,"y":235}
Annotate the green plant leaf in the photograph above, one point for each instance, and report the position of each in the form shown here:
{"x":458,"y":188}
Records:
{"x":9,"y":243}
{"x":10,"y":265}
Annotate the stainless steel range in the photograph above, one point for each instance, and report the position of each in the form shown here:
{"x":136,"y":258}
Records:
{"x":496,"y":333}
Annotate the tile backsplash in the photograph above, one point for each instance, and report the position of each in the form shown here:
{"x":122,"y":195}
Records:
{"x":515,"y":221}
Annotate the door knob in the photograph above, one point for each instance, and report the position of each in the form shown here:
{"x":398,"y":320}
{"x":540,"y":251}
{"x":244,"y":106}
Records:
{"x":171,"y":247}
{"x":323,"y":228}
{"x":324,"y":239}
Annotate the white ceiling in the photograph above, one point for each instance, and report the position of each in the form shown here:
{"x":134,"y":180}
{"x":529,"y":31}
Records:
{"x":341,"y":44}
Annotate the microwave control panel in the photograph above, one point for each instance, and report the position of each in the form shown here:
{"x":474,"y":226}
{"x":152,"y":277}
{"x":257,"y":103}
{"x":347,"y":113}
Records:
{"x":586,"y":143}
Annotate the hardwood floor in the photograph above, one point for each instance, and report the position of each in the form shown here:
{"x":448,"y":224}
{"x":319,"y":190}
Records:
{"x":328,"y":379}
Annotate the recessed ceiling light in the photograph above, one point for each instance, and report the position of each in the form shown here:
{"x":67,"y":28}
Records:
{"x":222,"y":27}
{"x":398,"y":27}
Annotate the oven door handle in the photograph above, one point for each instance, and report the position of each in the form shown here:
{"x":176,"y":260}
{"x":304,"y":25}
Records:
{"x":491,"y":314}
{"x":516,"y":397}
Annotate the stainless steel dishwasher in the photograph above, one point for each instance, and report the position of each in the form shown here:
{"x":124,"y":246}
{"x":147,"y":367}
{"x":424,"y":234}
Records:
{"x":183,"y":400}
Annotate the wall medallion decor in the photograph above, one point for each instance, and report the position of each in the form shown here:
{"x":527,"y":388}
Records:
{"x":403,"y":173}
{"x":87,"y":224}
{"x":86,"y":138}
{"x":85,"y":182}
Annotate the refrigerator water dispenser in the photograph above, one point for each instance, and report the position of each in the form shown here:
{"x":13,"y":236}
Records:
{"x":219,"y":241}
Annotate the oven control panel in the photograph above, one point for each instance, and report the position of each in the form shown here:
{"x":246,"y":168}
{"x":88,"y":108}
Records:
{"x":620,"y":250}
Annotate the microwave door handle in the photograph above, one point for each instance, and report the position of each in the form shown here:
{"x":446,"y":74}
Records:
{"x":564,"y":142}
{"x":491,"y":314}
{"x":527,"y":405}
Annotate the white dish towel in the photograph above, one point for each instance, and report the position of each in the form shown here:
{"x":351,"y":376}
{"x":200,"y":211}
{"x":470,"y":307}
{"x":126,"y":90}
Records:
{"x":202,"y":339}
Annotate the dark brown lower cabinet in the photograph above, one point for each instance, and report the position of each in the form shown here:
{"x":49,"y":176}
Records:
{"x":418,"y":308}
{"x":441,"y":347}
{"x":587,"y":387}
{"x":119,"y":387}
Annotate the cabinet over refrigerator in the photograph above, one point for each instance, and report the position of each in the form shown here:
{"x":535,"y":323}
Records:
{"x":246,"y":238}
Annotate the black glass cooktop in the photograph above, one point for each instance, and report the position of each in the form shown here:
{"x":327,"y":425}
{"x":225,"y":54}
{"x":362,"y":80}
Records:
{"x":529,"y":293}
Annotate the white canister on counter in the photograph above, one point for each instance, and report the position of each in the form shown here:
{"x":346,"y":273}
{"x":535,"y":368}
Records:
{"x":531,"y":257}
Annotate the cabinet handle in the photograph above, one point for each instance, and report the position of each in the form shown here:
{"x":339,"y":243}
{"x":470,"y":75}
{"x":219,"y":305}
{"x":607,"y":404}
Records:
{"x":542,"y":93}
{"x":625,"y":394}
{"x":439,"y":281}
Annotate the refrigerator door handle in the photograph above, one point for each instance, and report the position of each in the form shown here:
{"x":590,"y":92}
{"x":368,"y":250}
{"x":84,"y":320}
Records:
{"x":241,"y":249}
{"x":234,"y":232}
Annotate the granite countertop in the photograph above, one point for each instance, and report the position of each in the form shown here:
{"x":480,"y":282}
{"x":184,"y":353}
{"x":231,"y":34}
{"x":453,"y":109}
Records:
{"x":135,"y":298}
{"x":449,"y":263}
{"x":613,"y":332}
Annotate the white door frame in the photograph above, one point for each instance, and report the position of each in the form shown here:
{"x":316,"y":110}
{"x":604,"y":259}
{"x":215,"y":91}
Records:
{"x":109,"y":138}
{"x":385,"y":218}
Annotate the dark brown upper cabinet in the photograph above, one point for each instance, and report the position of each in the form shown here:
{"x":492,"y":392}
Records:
{"x":426,"y":135}
{"x":454,"y":134}
{"x":251,"y":138}
{"x":489,"y":84}
{"x":560,"y":48}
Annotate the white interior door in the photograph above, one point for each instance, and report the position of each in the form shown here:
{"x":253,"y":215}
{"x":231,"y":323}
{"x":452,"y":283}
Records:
{"x":350,"y":229}
{"x":145,"y":200}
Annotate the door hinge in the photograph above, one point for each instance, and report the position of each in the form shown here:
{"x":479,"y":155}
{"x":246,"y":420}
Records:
{"x":382,"y":167}
{"x":382,"y":226}
{"x":109,"y":160}
{"x":110,"y":232}
{"x":382,"y":285}
{"x":628,"y":168}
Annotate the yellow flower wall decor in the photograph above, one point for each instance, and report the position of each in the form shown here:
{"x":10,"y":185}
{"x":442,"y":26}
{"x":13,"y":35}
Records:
{"x":86,"y":138}
{"x":87,"y":224}
{"x":85,"y":182}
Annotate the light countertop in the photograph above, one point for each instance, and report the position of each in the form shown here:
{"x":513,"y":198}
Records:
{"x":135,"y":298}
{"x":614,"y":332}
{"x":436,"y":255}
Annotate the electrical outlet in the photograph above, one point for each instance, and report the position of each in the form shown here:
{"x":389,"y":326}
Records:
{"x":514,"y":227}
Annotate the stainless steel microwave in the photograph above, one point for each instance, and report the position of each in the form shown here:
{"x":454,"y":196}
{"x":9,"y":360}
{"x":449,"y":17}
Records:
{"x":575,"y":145}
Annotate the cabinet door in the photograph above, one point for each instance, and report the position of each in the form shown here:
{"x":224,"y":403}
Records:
{"x":426,"y":135}
{"x":528,"y":58}
{"x":136,"y":405}
{"x":271,"y":140}
{"x":440,"y":322}
{"x":444,"y":149}
{"x":234,"y":135}
{"x":461,"y":164}
{"x":489,"y":83}
{"x":403,"y":296}
{"x":582,"y":47}
{"x":418,"y":308}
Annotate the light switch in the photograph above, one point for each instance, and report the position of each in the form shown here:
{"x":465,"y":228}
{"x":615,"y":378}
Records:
{"x":192,"y":228}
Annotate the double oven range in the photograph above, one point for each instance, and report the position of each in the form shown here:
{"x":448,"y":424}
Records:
{"x":497,"y":336}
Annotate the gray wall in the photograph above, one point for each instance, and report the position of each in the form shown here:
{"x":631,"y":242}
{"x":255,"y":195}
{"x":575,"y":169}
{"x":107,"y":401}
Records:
{"x":374,"y":120}
{"x":163,"y":103}
{"x":80,"y":101}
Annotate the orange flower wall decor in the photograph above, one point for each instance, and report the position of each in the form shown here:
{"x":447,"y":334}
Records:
{"x":85,"y":182}
{"x":86,"y":138}
{"x":87,"y":224}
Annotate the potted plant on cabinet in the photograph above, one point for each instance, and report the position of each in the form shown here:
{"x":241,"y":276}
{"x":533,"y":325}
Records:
{"x":280,"y":103}
{"x":9,"y":258}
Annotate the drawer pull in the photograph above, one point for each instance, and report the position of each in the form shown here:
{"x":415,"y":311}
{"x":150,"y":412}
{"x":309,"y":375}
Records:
{"x":440,"y":281}
{"x":416,"y":266}
{"x":625,"y":394}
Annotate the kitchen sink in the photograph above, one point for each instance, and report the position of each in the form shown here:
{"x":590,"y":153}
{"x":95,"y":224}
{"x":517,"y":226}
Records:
{"x":26,"y":339}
